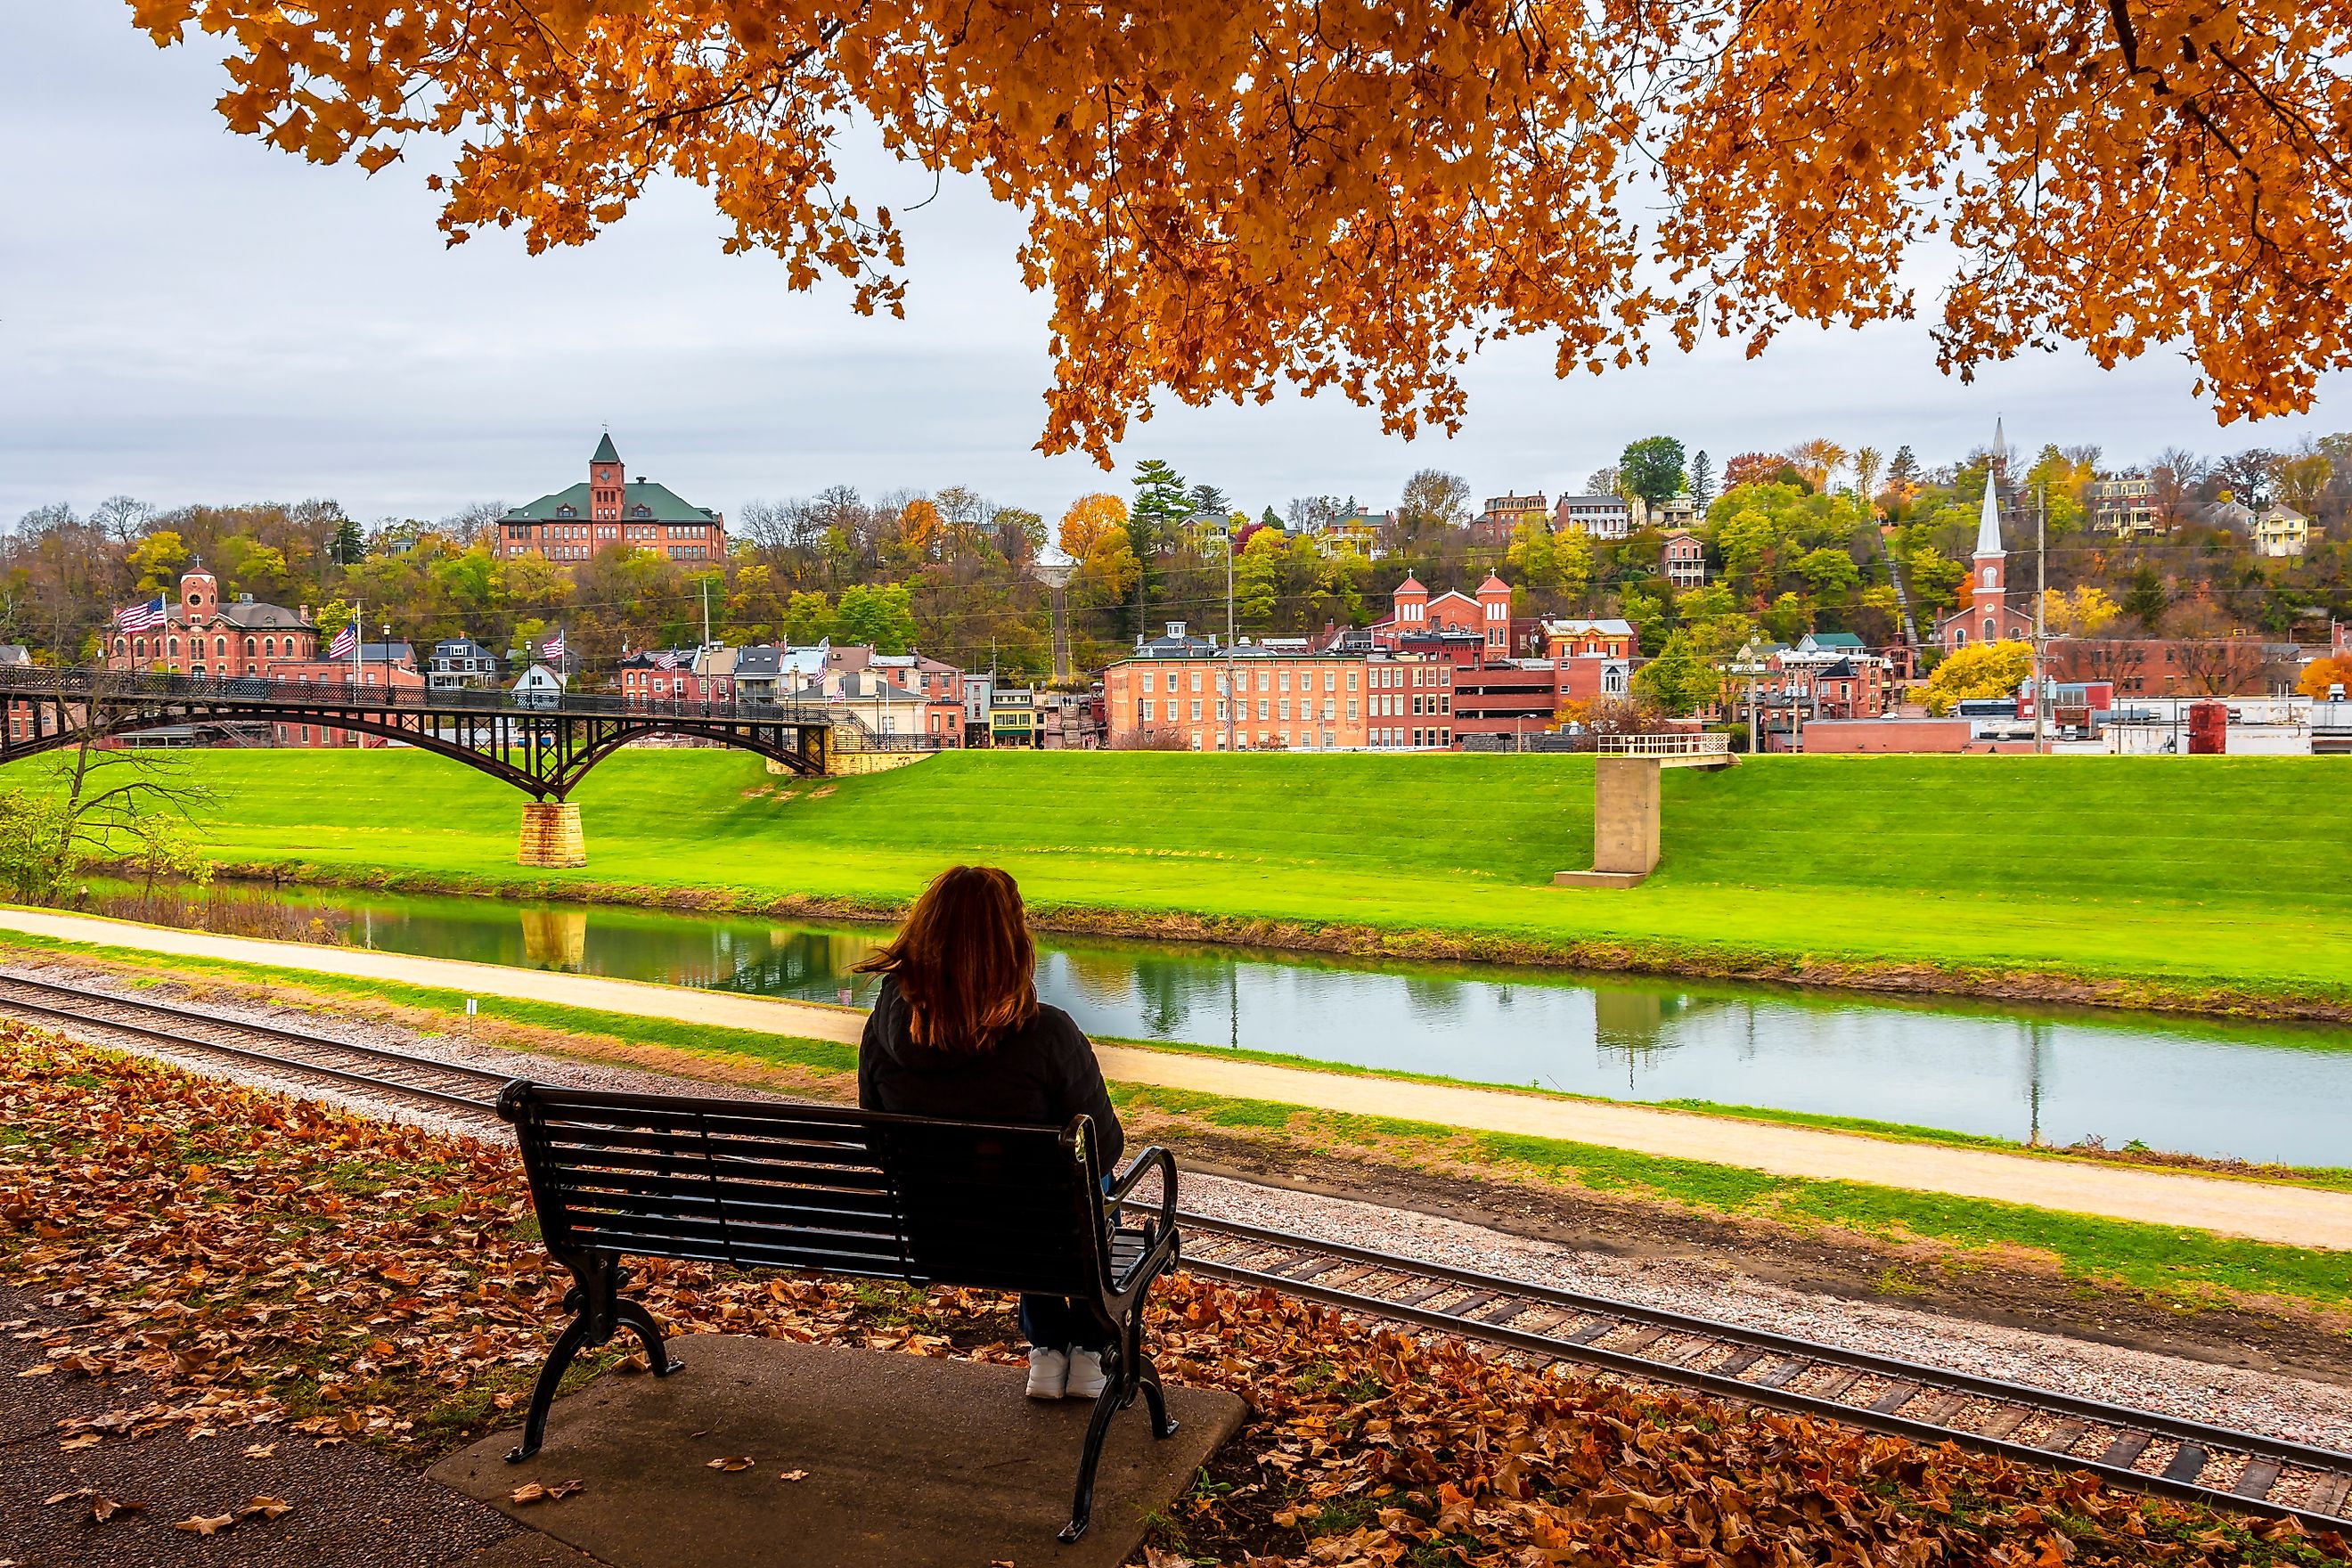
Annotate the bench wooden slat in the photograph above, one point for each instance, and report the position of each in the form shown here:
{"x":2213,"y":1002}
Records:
{"x":573,"y":1143}
{"x":727,"y":1186}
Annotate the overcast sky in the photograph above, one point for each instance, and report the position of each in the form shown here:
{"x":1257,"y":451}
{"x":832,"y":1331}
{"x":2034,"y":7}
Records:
{"x":187,"y":315}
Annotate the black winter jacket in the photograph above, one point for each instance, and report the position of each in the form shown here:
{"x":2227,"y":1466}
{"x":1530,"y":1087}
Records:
{"x":1042,"y":1074}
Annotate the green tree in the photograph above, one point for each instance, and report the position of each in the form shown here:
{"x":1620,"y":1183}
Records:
{"x":881,"y":615}
{"x":1532,"y":553}
{"x":808,"y":618}
{"x":1678,"y":680}
{"x":1832,"y":572}
{"x":1571,"y":562}
{"x":1935,"y":578}
{"x":347,"y":548}
{"x":1652,"y":468}
{"x":2146,"y":600}
{"x":1163,"y":503}
{"x":157,"y":561}
{"x":1788,"y":617}
{"x":1257,"y":578}
{"x":1902,"y":473}
{"x":1702,"y":481}
{"x":1746,"y":542}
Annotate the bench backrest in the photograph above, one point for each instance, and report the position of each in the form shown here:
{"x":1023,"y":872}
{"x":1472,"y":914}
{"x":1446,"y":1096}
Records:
{"x":762,"y":1186}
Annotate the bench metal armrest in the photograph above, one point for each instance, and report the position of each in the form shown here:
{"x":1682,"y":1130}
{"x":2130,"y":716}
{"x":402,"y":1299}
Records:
{"x":1160,"y":1225}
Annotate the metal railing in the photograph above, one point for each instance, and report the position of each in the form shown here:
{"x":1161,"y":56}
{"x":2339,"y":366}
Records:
{"x":262,"y":693}
{"x":1674,"y":745}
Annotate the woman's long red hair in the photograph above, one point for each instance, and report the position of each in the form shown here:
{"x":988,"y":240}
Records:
{"x":964,"y":961}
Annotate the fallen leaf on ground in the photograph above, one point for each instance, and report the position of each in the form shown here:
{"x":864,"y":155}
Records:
{"x":103,"y":1508}
{"x":259,"y":1450}
{"x":793,"y":1476}
{"x":78,"y":1441}
{"x":527,"y":1493}
{"x":733,"y":1462}
{"x":43,"y":1370}
{"x":197,"y":1524}
{"x":267,"y":1507}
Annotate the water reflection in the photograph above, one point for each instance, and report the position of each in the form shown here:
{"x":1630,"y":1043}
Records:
{"x":2264,"y":1092}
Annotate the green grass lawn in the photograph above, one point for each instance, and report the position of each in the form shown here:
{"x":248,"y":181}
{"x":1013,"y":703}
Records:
{"x":2182,"y":874}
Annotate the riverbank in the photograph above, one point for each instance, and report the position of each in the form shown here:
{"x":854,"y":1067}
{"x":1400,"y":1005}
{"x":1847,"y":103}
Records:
{"x":1260,"y":1092}
{"x":2072,"y":879}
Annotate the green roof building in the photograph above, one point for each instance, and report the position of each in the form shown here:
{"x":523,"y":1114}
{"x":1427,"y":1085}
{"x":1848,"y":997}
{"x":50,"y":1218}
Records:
{"x":609,"y":510}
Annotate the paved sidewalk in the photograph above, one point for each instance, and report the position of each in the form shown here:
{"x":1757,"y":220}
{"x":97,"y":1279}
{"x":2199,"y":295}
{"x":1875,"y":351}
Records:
{"x":2260,"y":1211}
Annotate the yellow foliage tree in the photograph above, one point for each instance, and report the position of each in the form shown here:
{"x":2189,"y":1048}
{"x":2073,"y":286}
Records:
{"x":2081,"y":614}
{"x":1224,"y":194}
{"x":2322,"y":673}
{"x":1980,"y":669}
{"x":1091,"y":519}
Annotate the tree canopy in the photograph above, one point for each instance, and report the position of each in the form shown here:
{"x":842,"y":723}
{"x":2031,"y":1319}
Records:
{"x":1222,"y":197}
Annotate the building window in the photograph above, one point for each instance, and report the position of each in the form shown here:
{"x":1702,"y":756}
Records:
{"x":1196,"y":710}
{"x":1146,"y":712}
{"x":248,"y":648}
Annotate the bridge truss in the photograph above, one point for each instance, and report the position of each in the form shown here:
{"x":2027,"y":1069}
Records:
{"x":542,"y":747}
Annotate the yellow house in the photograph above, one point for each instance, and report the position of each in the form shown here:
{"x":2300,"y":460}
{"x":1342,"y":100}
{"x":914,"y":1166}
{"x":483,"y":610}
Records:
{"x":2280,"y":532}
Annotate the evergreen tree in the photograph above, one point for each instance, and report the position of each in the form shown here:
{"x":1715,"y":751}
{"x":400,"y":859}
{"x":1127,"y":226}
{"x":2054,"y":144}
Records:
{"x":347,"y":548}
{"x":1161,"y":504}
{"x":2146,"y":600}
{"x":1903,"y":474}
{"x":1702,"y":481}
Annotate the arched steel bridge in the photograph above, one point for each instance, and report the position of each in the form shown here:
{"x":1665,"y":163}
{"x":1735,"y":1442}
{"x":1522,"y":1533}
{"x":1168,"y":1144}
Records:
{"x":542,"y":745}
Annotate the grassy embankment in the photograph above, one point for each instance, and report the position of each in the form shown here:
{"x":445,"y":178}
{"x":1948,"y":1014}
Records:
{"x":2182,"y":1268}
{"x":2207,"y":884}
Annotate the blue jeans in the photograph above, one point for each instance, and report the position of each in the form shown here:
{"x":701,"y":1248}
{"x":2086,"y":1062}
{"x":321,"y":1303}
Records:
{"x":1057,"y":1324}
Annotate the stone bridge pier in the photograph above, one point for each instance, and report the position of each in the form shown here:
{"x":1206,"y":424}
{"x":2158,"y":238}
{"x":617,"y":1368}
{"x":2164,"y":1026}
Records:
{"x":1625,"y":802}
{"x":551,"y":836}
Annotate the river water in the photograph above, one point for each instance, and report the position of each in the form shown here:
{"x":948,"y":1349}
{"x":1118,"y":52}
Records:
{"x":2262,"y":1093}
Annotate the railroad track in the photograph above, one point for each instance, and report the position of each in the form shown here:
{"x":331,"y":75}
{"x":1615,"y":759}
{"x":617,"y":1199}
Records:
{"x":363,"y":1071}
{"x":2139,"y":1449}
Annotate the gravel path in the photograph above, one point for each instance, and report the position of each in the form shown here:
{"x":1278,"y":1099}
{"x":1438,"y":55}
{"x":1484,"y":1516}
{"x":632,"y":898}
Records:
{"x":2293,"y":1409}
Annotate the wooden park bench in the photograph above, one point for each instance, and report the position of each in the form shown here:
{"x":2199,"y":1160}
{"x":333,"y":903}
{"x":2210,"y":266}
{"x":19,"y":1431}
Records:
{"x":761,"y":1185}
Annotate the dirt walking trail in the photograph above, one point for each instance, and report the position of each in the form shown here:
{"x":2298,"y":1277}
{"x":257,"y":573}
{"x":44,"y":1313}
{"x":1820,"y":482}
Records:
{"x":2259,"y":1211}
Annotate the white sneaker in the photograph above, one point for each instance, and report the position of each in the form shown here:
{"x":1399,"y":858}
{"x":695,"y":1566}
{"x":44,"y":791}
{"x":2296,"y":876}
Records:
{"x":1086,"y":1379}
{"x":1049,"y":1373}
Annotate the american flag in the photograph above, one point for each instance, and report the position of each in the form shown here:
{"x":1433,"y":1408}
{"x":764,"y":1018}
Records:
{"x":552,"y":648}
{"x":665,"y":661}
{"x":143,"y":617}
{"x":345,"y":640}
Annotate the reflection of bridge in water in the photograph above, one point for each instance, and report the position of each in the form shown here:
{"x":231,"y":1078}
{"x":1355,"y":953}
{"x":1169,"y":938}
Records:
{"x":541,"y":744}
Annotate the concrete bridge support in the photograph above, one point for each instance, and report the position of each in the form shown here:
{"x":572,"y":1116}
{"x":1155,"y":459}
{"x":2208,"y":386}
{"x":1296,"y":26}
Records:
{"x":1624,"y":825}
{"x":551,"y":836}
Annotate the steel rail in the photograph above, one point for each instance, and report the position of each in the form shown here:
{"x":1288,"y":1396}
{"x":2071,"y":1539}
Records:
{"x":297,"y":1065}
{"x":1491,"y":1302}
{"x":1489,"y":1292}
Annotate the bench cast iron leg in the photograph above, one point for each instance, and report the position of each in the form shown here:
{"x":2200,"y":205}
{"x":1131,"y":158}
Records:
{"x":1117,"y":1392}
{"x":635,"y":1315}
{"x":1147,"y":1377}
{"x":543,"y":1393}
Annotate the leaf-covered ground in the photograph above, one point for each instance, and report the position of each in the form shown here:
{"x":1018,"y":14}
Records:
{"x":267,"y":1262}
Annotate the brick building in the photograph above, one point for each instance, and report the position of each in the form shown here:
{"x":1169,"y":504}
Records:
{"x":1414,"y":613}
{"x":1301,"y":701}
{"x":1684,"y":559}
{"x":379,"y":664}
{"x":1576,"y":638}
{"x":204,"y":636}
{"x":608,"y":511}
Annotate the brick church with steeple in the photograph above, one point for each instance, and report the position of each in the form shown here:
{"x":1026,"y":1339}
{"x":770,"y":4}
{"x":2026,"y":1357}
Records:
{"x":1987,"y":616}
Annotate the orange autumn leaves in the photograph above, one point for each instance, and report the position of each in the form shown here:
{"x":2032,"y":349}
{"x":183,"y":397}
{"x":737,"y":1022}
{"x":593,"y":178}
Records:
{"x":1224,"y":198}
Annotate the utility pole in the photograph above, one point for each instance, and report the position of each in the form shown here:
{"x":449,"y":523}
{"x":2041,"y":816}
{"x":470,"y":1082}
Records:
{"x":706,"y":610}
{"x":2041,"y":600}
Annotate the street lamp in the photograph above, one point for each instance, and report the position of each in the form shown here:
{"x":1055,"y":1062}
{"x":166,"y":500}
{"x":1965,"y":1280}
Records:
{"x":1230,"y":695}
{"x":1053,"y":566}
{"x":1745,"y":662}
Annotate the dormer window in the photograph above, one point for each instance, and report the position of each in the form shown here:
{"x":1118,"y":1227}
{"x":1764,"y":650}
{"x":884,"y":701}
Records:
{"x":566,"y":512}
{"x":641,"y":511}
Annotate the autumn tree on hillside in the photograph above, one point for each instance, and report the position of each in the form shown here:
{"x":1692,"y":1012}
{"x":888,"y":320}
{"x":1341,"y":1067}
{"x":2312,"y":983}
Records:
{"x":1980,"y":669}
{"x":1651,"y":470}
{"x":1217,"y":194}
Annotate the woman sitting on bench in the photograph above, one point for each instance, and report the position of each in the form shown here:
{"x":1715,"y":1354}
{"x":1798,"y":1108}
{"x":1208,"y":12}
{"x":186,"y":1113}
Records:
{"x":958,"y":1032}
